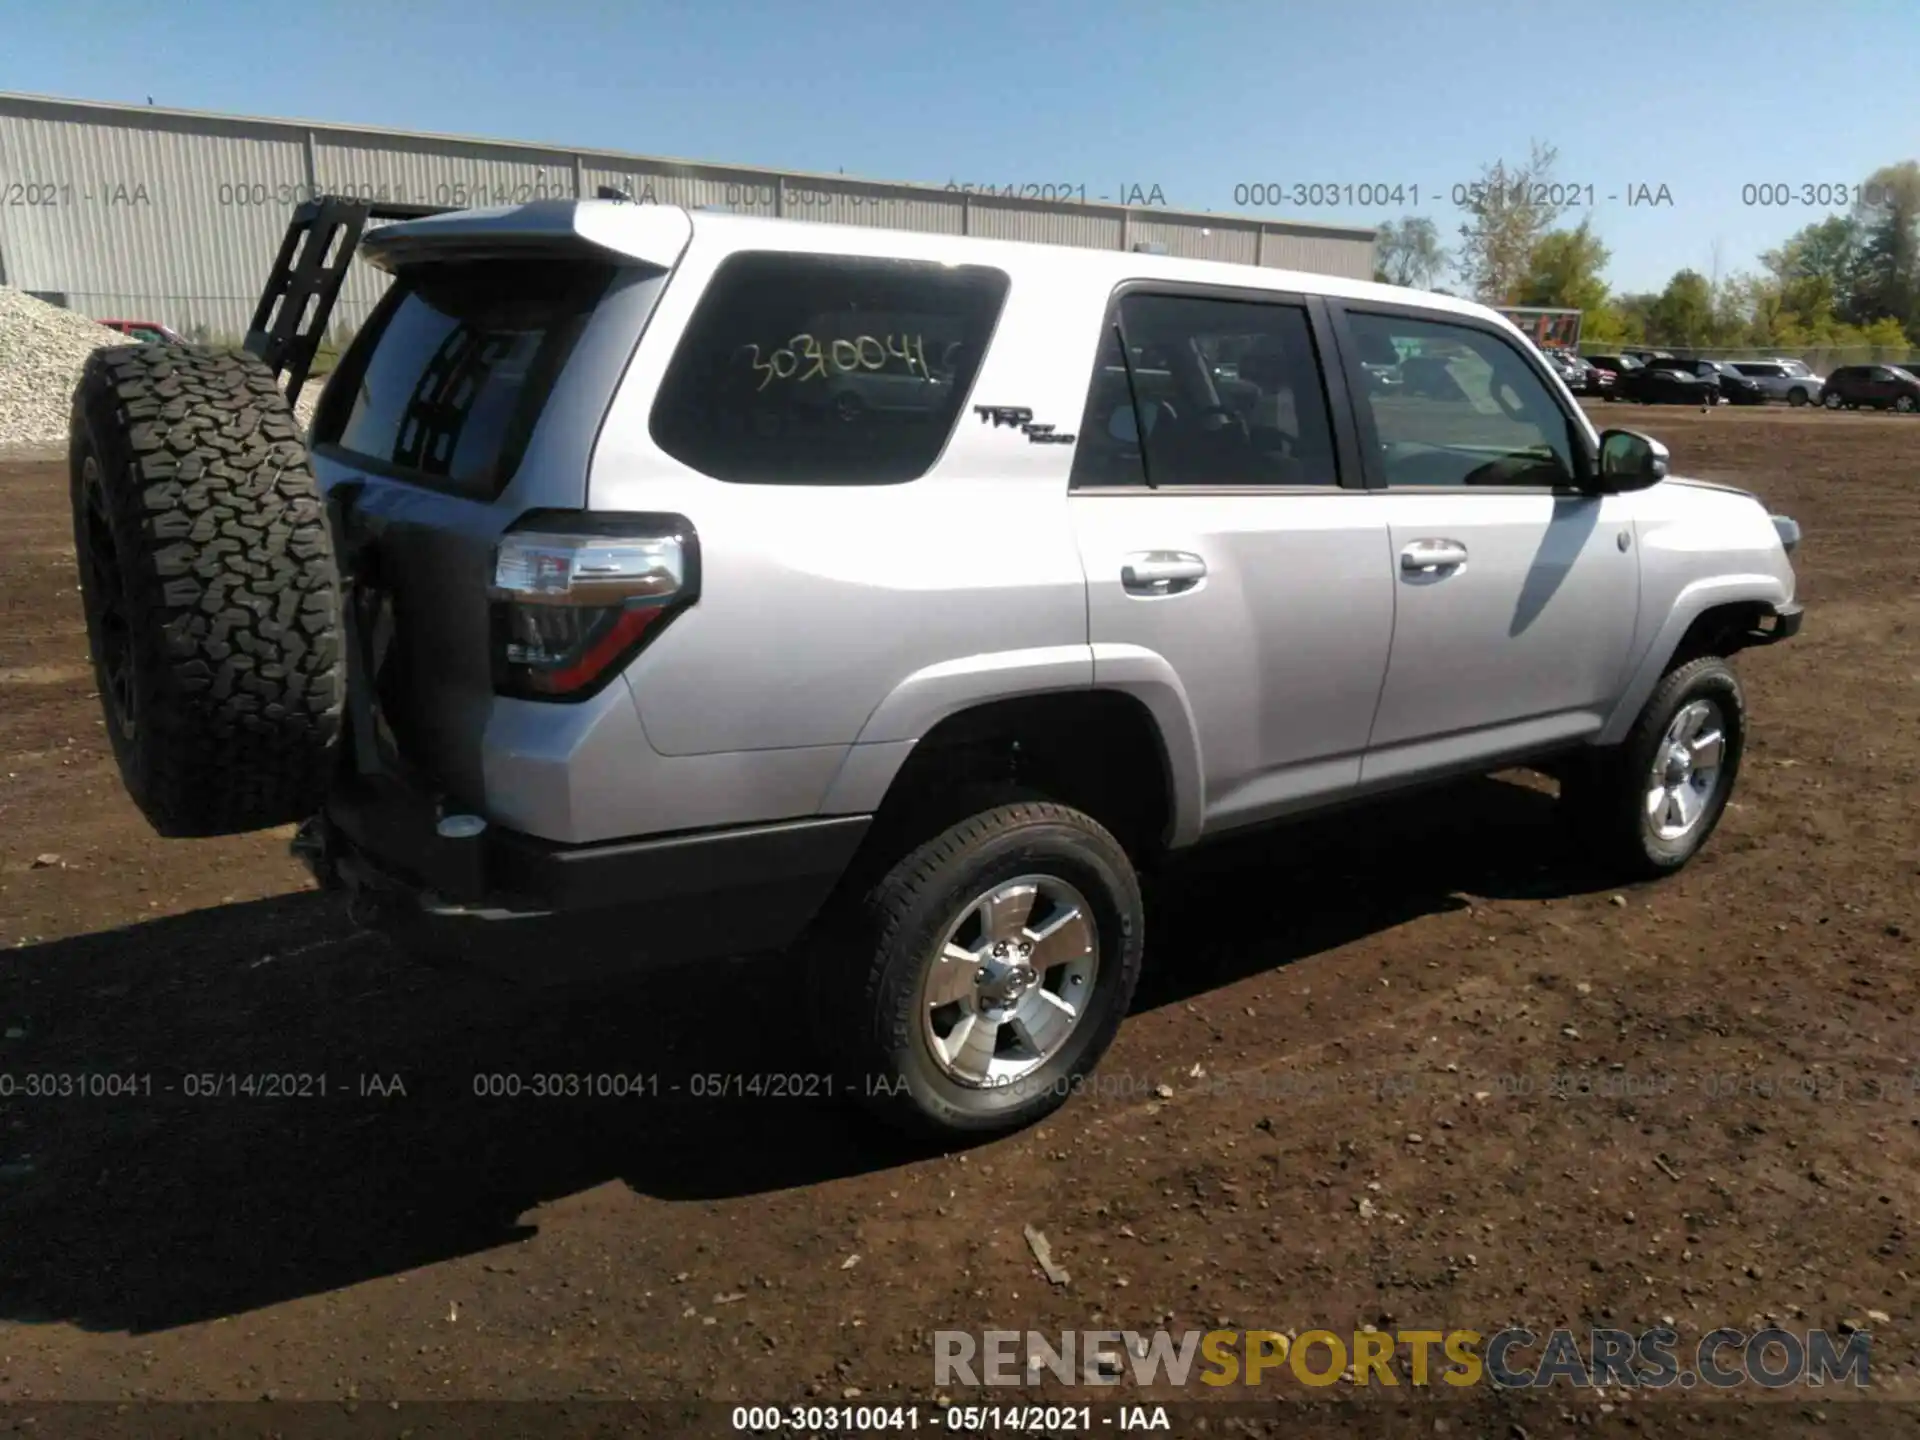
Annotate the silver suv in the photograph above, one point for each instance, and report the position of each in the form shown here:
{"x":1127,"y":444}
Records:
{"x":1788,"y":380}
{"x":596,"y":628}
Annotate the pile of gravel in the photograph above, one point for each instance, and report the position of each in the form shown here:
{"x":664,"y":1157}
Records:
{"x":42,"y":350}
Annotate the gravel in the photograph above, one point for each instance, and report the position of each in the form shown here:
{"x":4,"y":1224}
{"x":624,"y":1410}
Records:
{"x":42,"y":349}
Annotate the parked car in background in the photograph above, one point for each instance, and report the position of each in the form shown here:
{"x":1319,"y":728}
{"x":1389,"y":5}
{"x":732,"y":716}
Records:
{"x":1647,"y":357}
{"x":1788,"y":380}
{"x":1611,"y":367}
{"x":1878,"y":387}
{"x":148,"y":332}
{"x":1581,"y":376}
{"x":1735,"y":388}
{"x":1667,"y":382}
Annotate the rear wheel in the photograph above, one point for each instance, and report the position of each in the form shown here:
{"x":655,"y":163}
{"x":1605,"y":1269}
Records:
{"x":976,"y":985}
{"x":1645,"y":807}
{"x":208,"y":579}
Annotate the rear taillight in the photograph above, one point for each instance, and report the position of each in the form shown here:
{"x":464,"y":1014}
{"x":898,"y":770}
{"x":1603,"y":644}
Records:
{"x":575,"y":597}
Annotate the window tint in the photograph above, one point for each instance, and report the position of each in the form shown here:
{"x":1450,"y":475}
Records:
{"x":1229,"y":391}
{"x":1470,"y":411}
{"x":446,"y":382}
{"x":823,"y":369}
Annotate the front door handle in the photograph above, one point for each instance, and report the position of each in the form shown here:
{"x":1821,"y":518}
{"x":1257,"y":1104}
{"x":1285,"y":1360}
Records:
{"x":1427,"y":557}
{"x":1161,"y":572}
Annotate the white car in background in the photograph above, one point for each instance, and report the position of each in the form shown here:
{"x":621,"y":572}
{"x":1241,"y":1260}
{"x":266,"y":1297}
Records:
{"x":1788,"y":380}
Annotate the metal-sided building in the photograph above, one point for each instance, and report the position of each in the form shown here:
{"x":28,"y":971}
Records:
{"x":137,"y":212}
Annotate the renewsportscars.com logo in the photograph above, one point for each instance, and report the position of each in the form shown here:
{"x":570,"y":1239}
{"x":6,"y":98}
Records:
{"x":1509,"y":1359}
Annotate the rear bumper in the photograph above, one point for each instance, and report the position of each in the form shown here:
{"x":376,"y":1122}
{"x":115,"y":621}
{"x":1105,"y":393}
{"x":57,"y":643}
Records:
{"x":533,"y":910}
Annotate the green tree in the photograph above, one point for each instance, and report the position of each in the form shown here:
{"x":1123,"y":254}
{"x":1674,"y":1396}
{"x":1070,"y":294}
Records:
{"x":1609,"y":326}
{"x":1566,"y":267}
{"x":1409,"y":253}
{"x":1683,"y":315}
{"x":1887,"y":281}
{"x":1508,"y":211}
{"x":1817,"y":267}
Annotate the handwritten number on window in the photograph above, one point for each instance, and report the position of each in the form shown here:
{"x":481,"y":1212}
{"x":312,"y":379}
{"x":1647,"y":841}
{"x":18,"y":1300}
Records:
{"x":841,"y":356}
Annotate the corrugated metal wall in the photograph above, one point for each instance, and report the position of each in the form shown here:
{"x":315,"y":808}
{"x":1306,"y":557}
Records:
{"x":176,"y":216}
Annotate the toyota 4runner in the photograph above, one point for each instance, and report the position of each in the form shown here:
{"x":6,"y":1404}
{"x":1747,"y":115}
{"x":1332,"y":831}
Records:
{"x":658,"y":585}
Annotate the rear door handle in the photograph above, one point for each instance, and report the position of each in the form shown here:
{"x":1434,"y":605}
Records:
{"x":1426,"y":557}
{"x":1161,"y":572}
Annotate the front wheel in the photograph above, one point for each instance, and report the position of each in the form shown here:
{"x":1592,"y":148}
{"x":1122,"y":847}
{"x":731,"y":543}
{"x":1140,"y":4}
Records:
{"x":1832,"y":402}
{"x":1904,"y":404}
{"x":976,"y":985}
{"x":1646,"y":806}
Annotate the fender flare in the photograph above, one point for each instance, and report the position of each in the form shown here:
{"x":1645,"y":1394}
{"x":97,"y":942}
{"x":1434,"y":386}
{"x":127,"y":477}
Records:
{"x":934,"y":693}
{"x":1692,"y":602}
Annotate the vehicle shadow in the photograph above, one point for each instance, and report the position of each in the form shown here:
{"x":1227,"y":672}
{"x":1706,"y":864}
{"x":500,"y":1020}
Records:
{"x":145,"y":1184}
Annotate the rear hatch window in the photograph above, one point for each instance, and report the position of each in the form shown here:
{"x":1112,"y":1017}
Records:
{"x":444,"y":384}
{"x":825,"y":369}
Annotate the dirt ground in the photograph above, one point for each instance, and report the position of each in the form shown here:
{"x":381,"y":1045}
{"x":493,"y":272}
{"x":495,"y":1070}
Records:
{"x":1418,"y":1073}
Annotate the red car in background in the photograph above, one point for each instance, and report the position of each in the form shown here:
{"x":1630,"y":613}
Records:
{"x":150,"y":332}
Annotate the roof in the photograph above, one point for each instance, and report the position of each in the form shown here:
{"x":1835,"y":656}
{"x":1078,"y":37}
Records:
{"x":656,"y":234}
{"x":109,"y":112}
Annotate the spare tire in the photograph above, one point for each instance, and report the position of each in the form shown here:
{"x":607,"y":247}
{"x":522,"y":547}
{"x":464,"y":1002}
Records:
{"x":212,"y":595}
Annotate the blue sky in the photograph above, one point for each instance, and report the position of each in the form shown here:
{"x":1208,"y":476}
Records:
{"x":1197,"y":98}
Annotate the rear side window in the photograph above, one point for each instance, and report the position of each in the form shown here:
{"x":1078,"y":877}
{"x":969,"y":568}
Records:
{"x":826,"y":369}
{"x":444,"y":385}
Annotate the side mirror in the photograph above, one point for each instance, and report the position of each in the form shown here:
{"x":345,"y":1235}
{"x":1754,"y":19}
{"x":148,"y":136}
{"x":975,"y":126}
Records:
{"x":1630,"y":461}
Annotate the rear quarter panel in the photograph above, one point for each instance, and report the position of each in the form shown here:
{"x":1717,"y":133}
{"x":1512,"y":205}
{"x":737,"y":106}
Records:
{"x":819,"y":602}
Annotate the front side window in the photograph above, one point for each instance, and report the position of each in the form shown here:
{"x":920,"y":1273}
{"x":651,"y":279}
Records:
{"x":1470,"y":410}
{"x":1211,"y":392}
{"x":826,"y":369}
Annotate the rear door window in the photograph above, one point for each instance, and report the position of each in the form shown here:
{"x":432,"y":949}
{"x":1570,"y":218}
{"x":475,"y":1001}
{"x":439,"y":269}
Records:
{"x":1226,"y":392}
{"x":826,"y":369}
{"x":444,"y":384}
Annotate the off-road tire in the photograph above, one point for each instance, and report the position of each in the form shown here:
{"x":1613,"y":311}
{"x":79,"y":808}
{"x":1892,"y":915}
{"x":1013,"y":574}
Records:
{"x":866,"y":967}
{"x":1604,"y":795}
{"x":212,"y":596}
